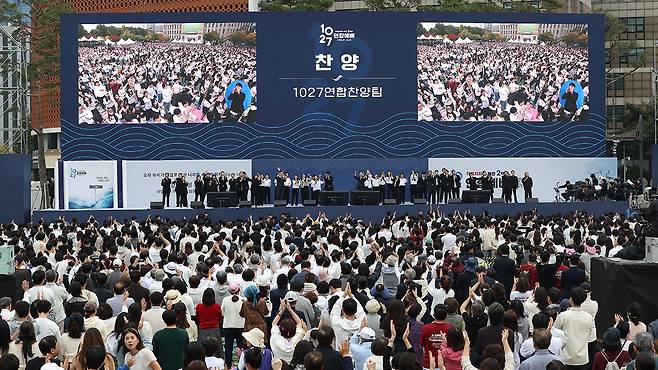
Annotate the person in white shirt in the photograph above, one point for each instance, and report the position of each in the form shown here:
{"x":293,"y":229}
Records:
{"x":287,"y":333}
{"x":316,"y":185}
{"x":542,"y":321}
{"x":39,"y":291}
{"x":211,"y":346}
{"x":577,"y":325}
{"x":46,"y":326}
{"x":401,"y":186}
{"x":346,"y":316}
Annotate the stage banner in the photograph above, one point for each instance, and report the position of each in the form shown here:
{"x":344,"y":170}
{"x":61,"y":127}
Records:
{"x":546,"y":173}
{"x":142,"y":179}
{"x":90,"y":184}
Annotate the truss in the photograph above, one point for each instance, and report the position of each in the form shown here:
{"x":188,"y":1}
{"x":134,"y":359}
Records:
{"x":14,"y":89}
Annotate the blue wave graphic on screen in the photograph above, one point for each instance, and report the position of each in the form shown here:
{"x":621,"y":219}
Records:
{"x":322,"y":135}
{"x":106,"y":200}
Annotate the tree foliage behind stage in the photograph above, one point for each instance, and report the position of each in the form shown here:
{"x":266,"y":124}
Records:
{"x":295,"y":5}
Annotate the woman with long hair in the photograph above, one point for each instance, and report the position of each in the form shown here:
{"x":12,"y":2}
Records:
{"x":452,"y":348}
{"x":137,"y":356}
{"x":71,"y":340}
{"x":92,"y":337}
{"x":135,"y":320}
{"x":113,"y":345}
{"x":194,"y":351}
{"x":511,"y":322}
{"x":183,"y":323}
{"x":209,"y":316}
{"x":396,"y":314}
{"x":5,"y":337}
{"x":25,"y":347}
{"x":634,"y":314}
{"x":302,"y":348}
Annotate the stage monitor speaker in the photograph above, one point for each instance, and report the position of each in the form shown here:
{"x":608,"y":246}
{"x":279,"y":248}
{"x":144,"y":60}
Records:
{"x":245,"y":204}
{"x":310,"y":202}
{"x":197,"y":205}
{"x":222,"y":199}
{"x":420,"y":201}
{"x":364,"y":198}
{"x":532,"y":200}
{"x":280,"y":203}
{"x":157,"y":205}
{"x":454,"y":201}
{"x":498,"y":200}
{"x":476,"y":196}
{"x":334,"y":198}
{"x":390,"y":201}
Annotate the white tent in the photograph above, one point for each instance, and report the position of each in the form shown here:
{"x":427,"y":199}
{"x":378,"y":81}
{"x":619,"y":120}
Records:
{"x":130,"y":41}
{"x":447,"y":40}
{"x":459,"y":41}
{"x":422,"y":37}
{"x":467,"y":41}
{"x":122,"y":42}
{"x":108,"y":42}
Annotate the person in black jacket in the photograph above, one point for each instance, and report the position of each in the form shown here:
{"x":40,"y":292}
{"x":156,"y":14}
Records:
{"x":472,"y":182}
{"x":527,"y":185}
{"x":198,"y":189}
{"x":506,"y":184}
{"x":431,"y":188}
{"x":181,"y":191}
{"x":456,"y":184}
{"x":166,"y":190}
{"x":328,"y":181}
{"x":514,"y":183}
{"x":445,"y":183}
{"x":487,"y":183}
{"x":243,"y":186}
{"x":333,"y":359}
{"x":505,"y":268}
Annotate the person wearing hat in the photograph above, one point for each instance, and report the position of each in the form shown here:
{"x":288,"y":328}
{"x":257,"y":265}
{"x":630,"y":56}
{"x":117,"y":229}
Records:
{"x":255,"y":341}
{"x":360,"y":345}
{"x":172,"y":297}
{"x":93,"y":321}
{"x":612,"y":351}
{"x":643,"y":343}
{"x":372,"y":317}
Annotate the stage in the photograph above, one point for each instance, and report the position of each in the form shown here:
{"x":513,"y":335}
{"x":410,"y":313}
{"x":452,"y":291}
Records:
{"x":366,"y":213}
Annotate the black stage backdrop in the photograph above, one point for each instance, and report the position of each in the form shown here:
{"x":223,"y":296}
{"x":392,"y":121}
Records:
{"x":615,"y":284}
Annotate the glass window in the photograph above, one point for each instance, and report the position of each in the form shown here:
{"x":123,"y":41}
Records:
{"x":633,"y":56}
{"x":633,"y":24}
{"x":618,"y":83}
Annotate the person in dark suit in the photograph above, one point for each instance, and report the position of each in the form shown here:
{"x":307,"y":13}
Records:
{"x":514,"y":183}
{"x":233,"y":183}
{"x":237,"y":99}
{"x":573,"y":276}
{"x":360,"y":181}
{"x":445,"y":184}
{"x":181,"y":191}
{"x":328,"y":181}
{"x":487,"y":184}
{"x":527,"y":185}
{"x":222,"y":182}
{"x":278,"y":185}
{"x":166,"y":190}
{"x":472,"y":182}
{"x":243,"y":186}
{"x":507,"y":187}
{"x":198,"y":189}
{"x":431,"y":183}
{"x":456,"y":184}
{"x":207,"y":182}
{"x":422,"y":186}
{"x":505,"y":268}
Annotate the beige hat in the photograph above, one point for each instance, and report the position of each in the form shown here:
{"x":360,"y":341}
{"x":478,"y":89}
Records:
{"x":172,"y":296}
{"x":310,"y":287}
{"x":373,"y":306}
{"x":256,"y":337}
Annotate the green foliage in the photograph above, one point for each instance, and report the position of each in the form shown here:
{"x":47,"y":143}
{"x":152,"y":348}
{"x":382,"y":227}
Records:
{"x":420,"y":29}
{"x":492,"y":6}
{"x":212,"y":37}
{"x":295,"y":5}
{"x":81,"y":31}
{"x":392,"y":5}
{"x":575,"y":38}
{"x":546,"y":37}
{"x":241,"y":37}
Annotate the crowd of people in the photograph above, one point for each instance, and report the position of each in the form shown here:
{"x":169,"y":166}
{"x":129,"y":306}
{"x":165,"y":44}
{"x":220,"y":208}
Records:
{"x":424,"y":291}
{"x":501,"y":81}
{"x":593,"y":188}
{"x":161,"y":82}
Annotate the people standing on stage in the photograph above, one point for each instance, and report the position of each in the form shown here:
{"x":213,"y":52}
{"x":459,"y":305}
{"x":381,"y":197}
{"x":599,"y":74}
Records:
{"x":328,"y":181}
{"x":316,"y":185}
{"x":181,"y":191}
{"x":445,"y":185}
{"x":233,"y":183}
{"x":265,"y":186}
{"x":207,"y":183}
{"x":360,"y":180}
{"x":222,"y":182}
{"x":166,"y":190}
{"x":257,"y":190}
{"x":389,"y":180}
{"x":487,"y":184}
{"x":506,"y":184}
{"x":287,"y":183}
{"x":278,"y":185}
{"x":198,"y":189}
{"x":243,"y":185}
{"x":527,"y":185}
{"x":413,"y":184}
{"x":296,"y":183}
{"x":456,"y":184}
{"x":303,"y":186}
{"x":514,"y":182}
{"x":400,"y":186}
{"x":472,"y":182}
{"x":382,"y":187}
{"x":431,"y":187}
{"x":422,"y":186}
{"x":214,"y":184}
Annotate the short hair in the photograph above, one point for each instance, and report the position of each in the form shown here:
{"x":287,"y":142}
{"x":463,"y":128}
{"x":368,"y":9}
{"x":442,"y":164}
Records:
{"x":314,"y":361}
{"x":496,"y":313}
{"x":643,"y":341}
{"x":541,"y":338}
{"x":645,"y":361}
{"x":43,"y":306}
{"x":119,"y":288}
{"x":556,"y":365}
{"x":94,"y":356}
{"x":156,"y":299}
{"x":349,"y":306}
{"x":169,"y":317}
{"x":540,"y":321}
{"x":9,"y":361}
{"x":210,"y":345}
{"x":578,"y":296}
{"x":47,"y":344}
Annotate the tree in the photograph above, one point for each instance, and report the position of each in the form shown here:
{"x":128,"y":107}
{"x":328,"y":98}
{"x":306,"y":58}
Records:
{"x":81,"y":31}
{"x":295,"y":5}
{"x":392,"y":5}
{"x":618,"y":48}
{"x":212,"y":37}
{"x":40,"y":30}
{"x":241,"y":37}
{"x":490,"y":6}
{"x":420,"y":29}
{"x":546,"y":37}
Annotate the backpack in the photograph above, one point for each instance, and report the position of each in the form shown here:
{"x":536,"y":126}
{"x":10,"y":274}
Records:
{"x":611,"y":365}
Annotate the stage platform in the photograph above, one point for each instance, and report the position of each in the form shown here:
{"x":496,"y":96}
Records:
{"x":366,"y":213}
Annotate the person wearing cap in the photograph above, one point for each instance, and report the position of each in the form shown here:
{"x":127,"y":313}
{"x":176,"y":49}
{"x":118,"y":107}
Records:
{"x":577,"y":325}
{"x":612,"y":351}
{"x":360,"y":346}
{"x":291,"y":301}
{"x":93,"y":321}
{"x":233,"y":323}
{"x":286,"y":333}
{"x":372,"y":317}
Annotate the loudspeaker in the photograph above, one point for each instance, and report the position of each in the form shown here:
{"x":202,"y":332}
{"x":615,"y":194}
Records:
{"x":364,"y":198}
{"x":245,"y":204}
{"x":222,"y":199}
{"x":280,"y":203}
{"x":157,"y":205}
{"x":310,"y":202}
{"x":390,"y":201}
{"x":454,"y":201}
{"x":420,"y":201}
{"x":197,"y":205}
{"x":476,"y":196}
{"x":334,"y":198}
{"x":498,"y":200}
{"x":532,"y":200}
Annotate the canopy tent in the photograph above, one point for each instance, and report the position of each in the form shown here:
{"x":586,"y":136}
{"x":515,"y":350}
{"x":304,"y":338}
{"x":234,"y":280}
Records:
{"x":422,"y":37}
